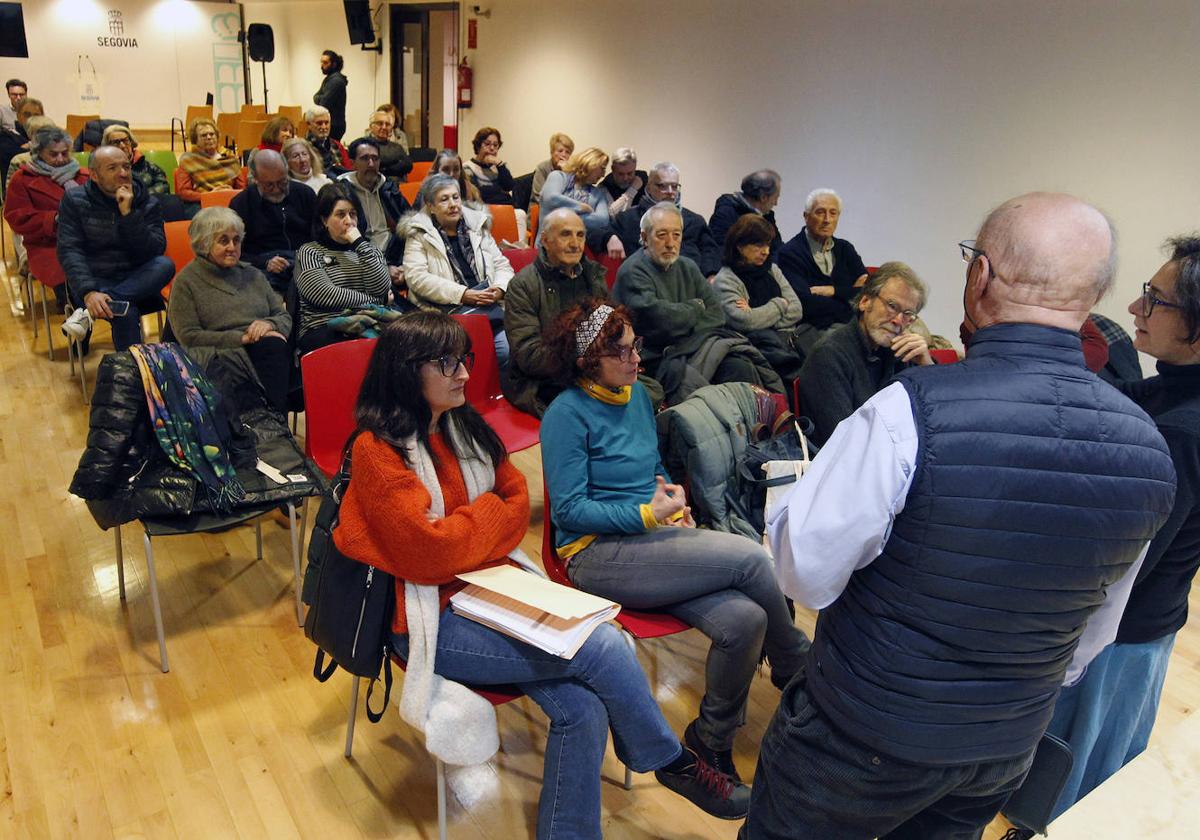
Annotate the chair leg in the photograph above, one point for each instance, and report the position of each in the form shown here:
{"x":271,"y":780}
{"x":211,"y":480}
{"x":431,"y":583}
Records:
{"x":46,"y":322}
{"x":295,"y":562}
{"x":628,"y":778}
{"x":303,"y":519}
{"x":87,"y":400}
{"x":159,"y":316}
{"x":258,"y":536}
{"x":32,"y":303}
{"x":158,"y":623}
{"x":353,"y":713}
{"x":441,"y":795}
{"x":120,"y":561}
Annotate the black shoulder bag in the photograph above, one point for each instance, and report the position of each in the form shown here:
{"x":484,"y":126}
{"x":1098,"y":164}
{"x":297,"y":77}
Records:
{"x":351,"y":604}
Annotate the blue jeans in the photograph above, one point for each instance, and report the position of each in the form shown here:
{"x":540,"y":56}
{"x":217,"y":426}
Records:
{"x":141,"y":285}
{"x":603,"y":686}
{"x":1107,"y":716}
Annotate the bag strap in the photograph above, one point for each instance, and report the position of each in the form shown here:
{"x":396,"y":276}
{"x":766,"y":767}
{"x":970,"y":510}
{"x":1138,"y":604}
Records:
{"x":374,"y":716}
{"x":323,"y":674}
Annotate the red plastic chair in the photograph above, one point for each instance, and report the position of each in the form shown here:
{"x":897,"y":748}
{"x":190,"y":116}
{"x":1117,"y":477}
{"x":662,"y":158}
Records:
{"x":944,"y":357}
{"x":520,"y":257}
{"x":610,"y":267}
{"x":332,"y":378}
{"x":517,"y":429}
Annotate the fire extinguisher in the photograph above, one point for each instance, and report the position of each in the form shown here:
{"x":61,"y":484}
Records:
{"x":465,"y":82}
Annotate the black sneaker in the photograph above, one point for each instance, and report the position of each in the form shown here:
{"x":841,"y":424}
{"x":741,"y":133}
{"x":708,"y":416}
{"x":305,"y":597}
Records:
{"x":709,"y":790}
{"x":719,"y":760}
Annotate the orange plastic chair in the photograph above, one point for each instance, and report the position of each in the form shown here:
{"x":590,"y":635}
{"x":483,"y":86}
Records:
{"x":535,"y":210}
{"x":76,"y":122}
{"x":293,"y":112}
{"x":253,"y":111}
{"x":504,"y":223}
{"x":249,"y":133}
{"x":217,"y":198}
{"x":517,"y":429}
{"x":332,"y":377}
{"x":409,"y":190}
{"x":420,"y":170}
{"x":227,"y":128}
{"x":179,"y":249}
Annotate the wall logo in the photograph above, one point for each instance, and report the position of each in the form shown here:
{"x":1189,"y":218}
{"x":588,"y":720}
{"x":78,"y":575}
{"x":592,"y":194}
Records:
{"x":116,"y":32}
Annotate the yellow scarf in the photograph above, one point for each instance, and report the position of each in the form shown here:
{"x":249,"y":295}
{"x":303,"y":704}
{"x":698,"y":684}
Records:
{"x":605,"y":394}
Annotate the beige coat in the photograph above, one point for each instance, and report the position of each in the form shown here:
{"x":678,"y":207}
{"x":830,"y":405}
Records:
{"x":427,"y":270}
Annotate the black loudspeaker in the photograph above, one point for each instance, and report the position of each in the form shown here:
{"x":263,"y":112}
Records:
{"x":358,"y":22}
{"x":262,"y":42}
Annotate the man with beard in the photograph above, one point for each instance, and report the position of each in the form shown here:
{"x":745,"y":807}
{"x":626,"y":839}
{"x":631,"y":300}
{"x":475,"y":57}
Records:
{"x":333,"y":154}
{"x":662,"y":184}
{"x":278,"y":214}
{"x":332,"y":93}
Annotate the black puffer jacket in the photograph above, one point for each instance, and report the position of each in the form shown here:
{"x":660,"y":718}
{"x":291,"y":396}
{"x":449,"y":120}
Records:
{"x":124,"y":474}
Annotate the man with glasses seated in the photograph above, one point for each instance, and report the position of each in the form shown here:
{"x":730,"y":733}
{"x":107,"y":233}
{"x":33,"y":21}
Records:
{"x":853,"y":361}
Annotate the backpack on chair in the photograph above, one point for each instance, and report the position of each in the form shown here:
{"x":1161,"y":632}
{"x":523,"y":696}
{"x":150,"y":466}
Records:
{"x":351,"y":604}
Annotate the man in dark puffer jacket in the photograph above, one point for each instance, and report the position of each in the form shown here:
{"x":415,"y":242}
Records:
{"x":972,"y":544}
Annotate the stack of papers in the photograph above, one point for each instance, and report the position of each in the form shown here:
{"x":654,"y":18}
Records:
{"x":539,"y":612}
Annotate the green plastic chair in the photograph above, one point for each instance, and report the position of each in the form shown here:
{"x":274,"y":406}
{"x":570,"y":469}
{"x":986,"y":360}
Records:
{"x":80,"y":157}
{"x":165,"y":160}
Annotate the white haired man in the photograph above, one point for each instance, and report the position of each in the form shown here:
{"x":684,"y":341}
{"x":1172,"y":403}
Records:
{"x":662,"y":184}
{"x":334,"y":157}
{"x":824,"y":271}
{"x":626,"y":184}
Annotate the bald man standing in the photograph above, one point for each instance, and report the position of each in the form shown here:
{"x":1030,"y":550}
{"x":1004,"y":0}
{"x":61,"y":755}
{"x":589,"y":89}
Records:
{"x":958,"y":533}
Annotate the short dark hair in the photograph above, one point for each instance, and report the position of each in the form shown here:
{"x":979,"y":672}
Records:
{"x":327,"y":199}
{"x":352,"y":149}
{"x":12,"y":83}
{"x":560,"y":338}
{"x":483,"y":134}
{"x":391,"y":404}
{"x":1185,"y":253}
{"x":749,"y":229}
{"x":335,"y":60}
{"x":758,"y":185}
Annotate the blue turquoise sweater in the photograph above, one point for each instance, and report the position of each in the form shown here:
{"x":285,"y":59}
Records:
{"x":600,"y":461}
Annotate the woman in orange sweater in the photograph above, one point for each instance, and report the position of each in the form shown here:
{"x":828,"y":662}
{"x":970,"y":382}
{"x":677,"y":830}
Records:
{"x":433,"y":494}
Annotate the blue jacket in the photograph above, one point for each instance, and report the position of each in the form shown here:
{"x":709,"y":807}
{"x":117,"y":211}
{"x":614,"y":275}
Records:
{"x":1036,"y":487}
{"x":97,"y":245}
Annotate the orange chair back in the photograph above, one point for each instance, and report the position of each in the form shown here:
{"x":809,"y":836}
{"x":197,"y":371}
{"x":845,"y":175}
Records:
{"x":195,"y":112}
{"x":227,"y":128}
{"x":293,"y":112}
{"x":420,"y":170}
{"x":504,"y":223}
{"x":249,"y":133}
{"x":76,"y":122}
{"x":409,"y":190}
{"x":179,"y":249}
{"x":332,"y":376}
{"x":535,"y":212}
{"x":217,"y":198}
{"x":249,"y":110}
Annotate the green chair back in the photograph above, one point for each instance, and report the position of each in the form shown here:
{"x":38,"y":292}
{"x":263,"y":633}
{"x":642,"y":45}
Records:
{"x":81,"y":157}
{"x":165,"y":160}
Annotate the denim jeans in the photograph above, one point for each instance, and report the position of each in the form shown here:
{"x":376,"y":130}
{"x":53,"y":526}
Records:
{"x":602,"y":687}
{"x":140,"y":286}
{"x":815,"y":782}
{"x":721,"y":584}
{"x":1107,"y":716}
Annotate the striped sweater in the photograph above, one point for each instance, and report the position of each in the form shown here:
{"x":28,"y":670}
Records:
{"x":332,"y":280}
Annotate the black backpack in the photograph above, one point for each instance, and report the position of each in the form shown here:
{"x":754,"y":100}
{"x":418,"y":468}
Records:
{"x":351,"y":604}
{"x":748,"y":495}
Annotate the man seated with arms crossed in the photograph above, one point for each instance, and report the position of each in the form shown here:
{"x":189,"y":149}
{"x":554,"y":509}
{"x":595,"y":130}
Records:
{"x":333,"y":154}
{"x":111,"y":244}
{"x":970,"y":536}
{"x":378,"y":202}
{"x":626,"y":184}
{"x":853,"y":361}
{"x":662,"y":184}
{"x":825,"y":271}
{"x":278,"y":214}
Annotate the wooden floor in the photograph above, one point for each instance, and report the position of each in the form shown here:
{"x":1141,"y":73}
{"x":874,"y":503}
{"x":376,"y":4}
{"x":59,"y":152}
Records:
{"x":239,"y":740}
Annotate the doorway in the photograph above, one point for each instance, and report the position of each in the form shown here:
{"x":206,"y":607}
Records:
{"x":424,"y":56}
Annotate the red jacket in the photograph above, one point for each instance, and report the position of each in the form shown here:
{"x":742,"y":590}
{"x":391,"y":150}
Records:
{"x":31,"y":209}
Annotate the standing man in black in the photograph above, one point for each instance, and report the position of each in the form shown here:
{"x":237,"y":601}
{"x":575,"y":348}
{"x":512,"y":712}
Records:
{"x":332,"y":93}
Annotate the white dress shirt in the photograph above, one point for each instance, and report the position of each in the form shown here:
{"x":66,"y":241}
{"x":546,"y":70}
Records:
{"x":838,"y":516}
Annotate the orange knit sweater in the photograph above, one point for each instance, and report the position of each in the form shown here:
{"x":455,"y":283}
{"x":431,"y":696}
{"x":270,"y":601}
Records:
{"x":383,"y":520}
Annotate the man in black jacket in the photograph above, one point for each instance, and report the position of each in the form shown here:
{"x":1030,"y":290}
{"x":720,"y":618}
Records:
{"x":662,"y":184}
{"x":278,"y":214}
{"x":825,"y":271}
{"x":759,"y":194}
{"x":110,"y":244}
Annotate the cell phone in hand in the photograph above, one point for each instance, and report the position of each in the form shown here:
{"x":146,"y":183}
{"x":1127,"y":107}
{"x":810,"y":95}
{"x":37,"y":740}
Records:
{"x":118,"y":307}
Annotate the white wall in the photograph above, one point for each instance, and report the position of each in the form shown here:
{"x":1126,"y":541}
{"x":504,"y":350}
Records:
{"x":184,"y":50}
{"x":922,"y":113}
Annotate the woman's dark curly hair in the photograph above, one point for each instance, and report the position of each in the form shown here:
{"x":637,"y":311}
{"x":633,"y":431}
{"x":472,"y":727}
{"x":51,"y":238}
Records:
{"x":560,"y":338}
{"x":391,"y":404}
{"x":1185,"y":253}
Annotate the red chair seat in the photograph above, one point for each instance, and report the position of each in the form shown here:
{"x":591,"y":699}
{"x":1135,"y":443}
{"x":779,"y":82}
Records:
{"x":517,"y":429}
{"x":944,"y":357}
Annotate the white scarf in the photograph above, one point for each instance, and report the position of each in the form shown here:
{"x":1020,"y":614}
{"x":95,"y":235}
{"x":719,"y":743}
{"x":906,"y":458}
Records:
{"x":459,"y":725}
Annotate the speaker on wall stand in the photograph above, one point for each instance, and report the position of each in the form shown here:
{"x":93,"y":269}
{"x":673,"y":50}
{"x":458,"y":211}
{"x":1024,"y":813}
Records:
{"x":261,"y":40}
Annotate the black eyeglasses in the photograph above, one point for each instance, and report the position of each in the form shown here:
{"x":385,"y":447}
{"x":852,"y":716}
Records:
{"x":626,"y":353}
{"x":1151,"y":300}
{"x":448,"y":364}
{"x":970,"y":253}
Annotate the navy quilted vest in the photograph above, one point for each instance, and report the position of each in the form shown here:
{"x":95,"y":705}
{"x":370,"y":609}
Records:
{"x":1037,"y":484}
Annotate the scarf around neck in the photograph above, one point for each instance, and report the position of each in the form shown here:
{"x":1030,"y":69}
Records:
{"x":459,"y":249}
{"x":210,"y":173}
{"x":759,"y":282}
{"x":604,"y":394}
{"x":63,"y":175}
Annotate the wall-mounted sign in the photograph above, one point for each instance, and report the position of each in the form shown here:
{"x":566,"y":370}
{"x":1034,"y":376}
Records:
{"x":116,"y":36}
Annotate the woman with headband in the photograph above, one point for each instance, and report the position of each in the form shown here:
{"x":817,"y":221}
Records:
{"x":626,"y":533}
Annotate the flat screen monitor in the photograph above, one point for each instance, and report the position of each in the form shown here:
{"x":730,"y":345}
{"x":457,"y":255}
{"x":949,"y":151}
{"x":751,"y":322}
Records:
{"x":12,"y":31}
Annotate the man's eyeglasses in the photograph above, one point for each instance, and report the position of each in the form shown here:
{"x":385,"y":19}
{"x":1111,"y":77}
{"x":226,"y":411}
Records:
{"x":626,"y":353}
{"x":970,"y":253}
{"x":906,"y":316}
{"x":448,"y":364}
{"x":1151,"y":300}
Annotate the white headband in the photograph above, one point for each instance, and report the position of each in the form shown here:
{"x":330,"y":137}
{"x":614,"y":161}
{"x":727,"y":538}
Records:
{"x":586,"y":332}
